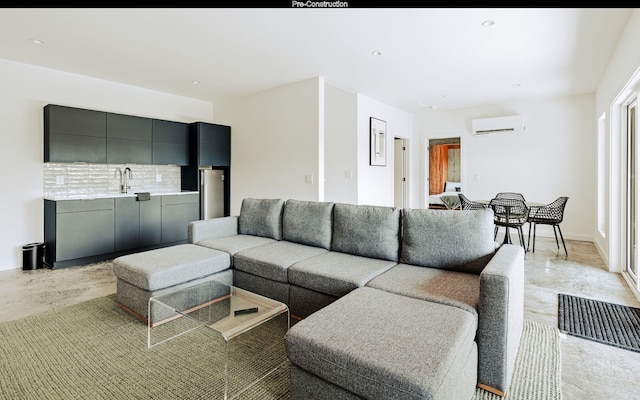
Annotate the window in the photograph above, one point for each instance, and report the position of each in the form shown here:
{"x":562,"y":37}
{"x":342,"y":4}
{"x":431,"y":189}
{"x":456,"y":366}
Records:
{"x":632,"y":186}
{"x":603,"y":172}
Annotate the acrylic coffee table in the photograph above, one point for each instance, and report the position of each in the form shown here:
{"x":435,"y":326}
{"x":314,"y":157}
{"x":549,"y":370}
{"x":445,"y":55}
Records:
{"x":226,"y":310}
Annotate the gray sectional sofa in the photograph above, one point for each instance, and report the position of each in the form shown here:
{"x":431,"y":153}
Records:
{"x":381,"y":292}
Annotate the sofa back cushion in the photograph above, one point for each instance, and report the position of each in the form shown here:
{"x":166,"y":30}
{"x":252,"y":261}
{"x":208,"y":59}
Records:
{"x":448,"y":239}
{"x":308,"y":222}
{"x":261,"y":217}
{"x":368,"y":231}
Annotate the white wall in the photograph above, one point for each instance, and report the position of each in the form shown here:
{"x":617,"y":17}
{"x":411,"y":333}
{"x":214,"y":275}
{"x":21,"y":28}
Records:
{"x":375,"y":183}
{"x":275,"y":140}
{"x":553,"y":157}
{"x":308,"y":128}
{"x":341,"y":141}
{"x":25,"y":91}
{"x":624,"y":64}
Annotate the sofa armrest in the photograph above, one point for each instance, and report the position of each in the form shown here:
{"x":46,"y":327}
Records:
{"x":212,"y":228}
{"x":500,"y":317}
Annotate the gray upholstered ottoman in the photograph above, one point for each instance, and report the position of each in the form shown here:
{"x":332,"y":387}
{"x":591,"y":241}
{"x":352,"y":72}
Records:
{"x":373,"y":344}
{"x":143,"y":275}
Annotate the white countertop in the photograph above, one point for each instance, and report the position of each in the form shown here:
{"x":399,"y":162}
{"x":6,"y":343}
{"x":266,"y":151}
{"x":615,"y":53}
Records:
{"x":111,"y":195}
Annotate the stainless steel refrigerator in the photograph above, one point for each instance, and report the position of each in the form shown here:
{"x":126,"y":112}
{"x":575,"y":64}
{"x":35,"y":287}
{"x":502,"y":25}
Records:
{"x":211,"y":193}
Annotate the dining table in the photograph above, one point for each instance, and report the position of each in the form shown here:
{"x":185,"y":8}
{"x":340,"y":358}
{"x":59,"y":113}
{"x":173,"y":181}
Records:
{"x":507,"y":208}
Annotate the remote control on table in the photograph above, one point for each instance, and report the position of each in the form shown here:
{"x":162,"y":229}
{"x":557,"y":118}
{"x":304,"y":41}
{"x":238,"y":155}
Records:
{"x":246,"y":311}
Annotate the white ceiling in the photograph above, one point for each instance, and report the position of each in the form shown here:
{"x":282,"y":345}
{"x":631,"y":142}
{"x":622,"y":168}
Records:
{"x":430,"y":56}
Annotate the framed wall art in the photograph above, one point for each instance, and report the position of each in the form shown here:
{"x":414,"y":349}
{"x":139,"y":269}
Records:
{"x":377,"y":142}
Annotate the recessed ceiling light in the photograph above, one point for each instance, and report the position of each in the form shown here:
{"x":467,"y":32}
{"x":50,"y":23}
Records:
{"x":195,"y":82}
{"x":376,"y":53}
{"x":517,"y":84}
{"x":433,"y":106}
{"x":37,"y":41}
{"x":488,"y":23}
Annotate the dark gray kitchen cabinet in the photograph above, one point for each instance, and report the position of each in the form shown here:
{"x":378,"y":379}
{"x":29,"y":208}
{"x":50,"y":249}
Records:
{"x":213,"y":143}
{"x":150,"y":222}
{"x":79,"y":232}
{"x":80,"y":135}
{"x":127,"y":223}
{"x":74,"y":135}
{"x":170,"y":142}
{"x":129,"y":139}
{"x":177,"y":212}
{"x":209,"y":146}
{"x":137,"y":223}
{"x":78,"y":229}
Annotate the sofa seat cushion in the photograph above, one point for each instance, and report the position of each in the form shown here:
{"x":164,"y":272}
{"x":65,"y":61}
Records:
{"x":308,"y":222}
{"x":453,"y":288}
{"x":367,"y":231}
{"x":234,"y":244}
{"x":453,"y":240}
{"x":381,"y":345}
{"x":336,"y":273}
{"x":168,"y":266}
{"x":261,"y":217}
{"x":272,"y":260}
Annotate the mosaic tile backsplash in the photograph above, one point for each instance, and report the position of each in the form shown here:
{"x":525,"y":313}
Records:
{"x":83,"y":179}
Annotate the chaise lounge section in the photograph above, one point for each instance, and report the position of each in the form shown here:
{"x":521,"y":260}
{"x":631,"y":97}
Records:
{"x":374,"y":344}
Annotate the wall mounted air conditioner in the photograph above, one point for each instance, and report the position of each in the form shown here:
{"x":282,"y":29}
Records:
{"x":484,"y":126}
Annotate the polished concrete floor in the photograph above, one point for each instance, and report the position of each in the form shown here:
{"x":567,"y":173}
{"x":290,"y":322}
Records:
{"x":590,"y":370}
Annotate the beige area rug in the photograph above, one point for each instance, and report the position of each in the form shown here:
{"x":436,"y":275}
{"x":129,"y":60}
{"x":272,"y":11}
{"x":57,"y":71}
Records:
{"x":95,"y":350}
{"x":537,"y":369}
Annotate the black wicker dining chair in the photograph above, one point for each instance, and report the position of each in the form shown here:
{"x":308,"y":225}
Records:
{"x":466,"y":204}
{"x":510,"y":195}
{"x":550,"y":214}
{"x":509,"y":213}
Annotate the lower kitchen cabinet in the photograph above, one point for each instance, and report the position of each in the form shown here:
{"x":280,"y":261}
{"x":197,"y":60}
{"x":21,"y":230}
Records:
{"x":79,"y":232}
{"x":150,"y":222}
{"x":78,"y":229}
{"x":177,"y":212}
{"x":138,"y":223}
{"x":127,"y":223}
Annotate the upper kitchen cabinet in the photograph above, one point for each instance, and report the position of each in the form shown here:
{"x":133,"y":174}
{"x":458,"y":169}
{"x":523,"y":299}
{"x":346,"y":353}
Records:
{"x":212,"y":144}
{"x":170,"y":142}
{"x":129,"y":139}
{"x":74,"y":135}
{"x":209,"y":146}
{"x":80,"y":135}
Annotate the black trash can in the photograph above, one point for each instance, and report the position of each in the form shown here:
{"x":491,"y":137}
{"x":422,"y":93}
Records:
{"x":32,"y":256}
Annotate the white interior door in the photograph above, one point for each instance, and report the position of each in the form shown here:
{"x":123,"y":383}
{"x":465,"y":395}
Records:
{"x":400,"y":190}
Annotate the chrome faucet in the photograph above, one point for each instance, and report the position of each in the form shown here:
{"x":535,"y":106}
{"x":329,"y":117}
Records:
{"x":125,"y":176}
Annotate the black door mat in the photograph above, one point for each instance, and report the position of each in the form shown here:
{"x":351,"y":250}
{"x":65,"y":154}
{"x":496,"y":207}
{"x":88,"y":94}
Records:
{"x":602,"y":322}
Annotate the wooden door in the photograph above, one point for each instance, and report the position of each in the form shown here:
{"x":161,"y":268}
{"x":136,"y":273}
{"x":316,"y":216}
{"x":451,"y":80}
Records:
{"x":438,"y":167}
